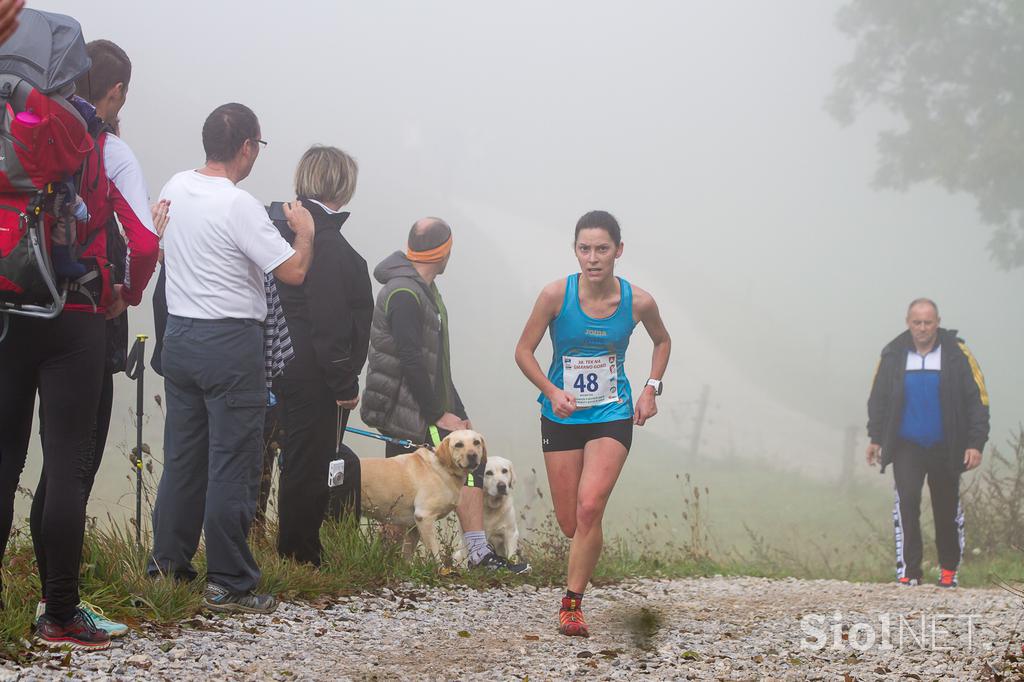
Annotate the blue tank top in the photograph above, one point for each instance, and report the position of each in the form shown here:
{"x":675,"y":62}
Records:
{"x":589,"y":358}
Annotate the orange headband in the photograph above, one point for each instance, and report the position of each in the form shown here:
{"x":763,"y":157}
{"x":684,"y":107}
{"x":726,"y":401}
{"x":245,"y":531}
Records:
{"x":434,"y":255}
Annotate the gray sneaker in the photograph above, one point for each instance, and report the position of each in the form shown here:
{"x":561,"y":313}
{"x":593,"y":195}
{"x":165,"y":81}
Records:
{"x":218,"y":598}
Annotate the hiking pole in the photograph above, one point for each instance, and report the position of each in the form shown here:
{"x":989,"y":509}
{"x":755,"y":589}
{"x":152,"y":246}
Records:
{"x":136,"y":369}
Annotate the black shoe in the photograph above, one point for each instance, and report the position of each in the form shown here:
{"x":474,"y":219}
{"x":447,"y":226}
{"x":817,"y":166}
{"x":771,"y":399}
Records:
{"x":493,"y":562}
{"x":217,"y":598}
{"x":78,"y":633}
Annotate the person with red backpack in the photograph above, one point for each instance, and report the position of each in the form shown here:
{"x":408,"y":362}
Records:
{"x":112,"y":185}
{"x":60,"y":352}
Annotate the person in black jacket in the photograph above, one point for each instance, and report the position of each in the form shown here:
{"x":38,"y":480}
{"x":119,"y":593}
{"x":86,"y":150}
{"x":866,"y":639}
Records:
{"x":928,"y":416}
{"x":329,"y":318}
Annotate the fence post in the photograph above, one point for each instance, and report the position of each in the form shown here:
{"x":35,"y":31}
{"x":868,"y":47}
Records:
{"x":698,"y":420}
{"x":849,"y":456}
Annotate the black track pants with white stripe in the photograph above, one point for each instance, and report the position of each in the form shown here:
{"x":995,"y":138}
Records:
{"x":912,"y":464}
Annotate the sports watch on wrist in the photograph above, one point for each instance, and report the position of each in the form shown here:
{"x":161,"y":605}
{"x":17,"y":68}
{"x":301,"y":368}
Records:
{"x":657,"y":385}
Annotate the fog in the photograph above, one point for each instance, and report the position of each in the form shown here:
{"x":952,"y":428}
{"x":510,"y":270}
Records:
{"x":746,"y":210}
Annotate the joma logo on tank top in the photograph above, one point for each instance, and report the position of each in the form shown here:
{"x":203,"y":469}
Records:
{"x":588,"y":357}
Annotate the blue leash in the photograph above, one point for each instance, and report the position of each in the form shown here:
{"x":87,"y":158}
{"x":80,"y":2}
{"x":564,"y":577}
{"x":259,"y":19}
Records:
{"x":387,"y":439}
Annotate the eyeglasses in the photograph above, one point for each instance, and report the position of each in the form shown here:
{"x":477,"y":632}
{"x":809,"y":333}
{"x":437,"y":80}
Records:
{"x":262,"y":142}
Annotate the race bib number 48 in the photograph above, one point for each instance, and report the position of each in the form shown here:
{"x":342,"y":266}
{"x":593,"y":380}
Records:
{"x":592,"y":381}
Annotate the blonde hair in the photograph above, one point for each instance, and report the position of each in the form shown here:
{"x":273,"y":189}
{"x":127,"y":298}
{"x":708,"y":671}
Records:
{"x":326,"y":174}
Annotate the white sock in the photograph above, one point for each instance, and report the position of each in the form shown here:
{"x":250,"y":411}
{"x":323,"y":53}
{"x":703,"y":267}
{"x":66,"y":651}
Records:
{"x":476,"y":543}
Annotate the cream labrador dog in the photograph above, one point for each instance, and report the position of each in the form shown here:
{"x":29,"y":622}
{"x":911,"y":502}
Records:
{"x":499,"y":507}
{"x":418,"y":489}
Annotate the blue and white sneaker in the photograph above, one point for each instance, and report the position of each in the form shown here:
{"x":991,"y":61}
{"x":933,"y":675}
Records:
{"x":99,"y":619}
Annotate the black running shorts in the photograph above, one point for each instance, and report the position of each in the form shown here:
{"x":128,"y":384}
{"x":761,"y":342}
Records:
{"x":556,"y":437}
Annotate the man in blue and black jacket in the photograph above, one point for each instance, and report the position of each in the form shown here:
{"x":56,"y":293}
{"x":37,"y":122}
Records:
{"x":928,"y":416}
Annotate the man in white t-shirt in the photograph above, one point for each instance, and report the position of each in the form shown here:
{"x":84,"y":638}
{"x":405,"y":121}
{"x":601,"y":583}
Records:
{"x":217,"y":247}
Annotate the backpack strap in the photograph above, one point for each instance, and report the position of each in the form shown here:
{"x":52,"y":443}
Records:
{"x":8,"y":87}
{"x":79,"y":286}
{"x":97,"y":129}
{"x":84,"y":246}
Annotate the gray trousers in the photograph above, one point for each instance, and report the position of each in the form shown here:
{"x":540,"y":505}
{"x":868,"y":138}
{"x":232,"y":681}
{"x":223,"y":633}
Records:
{"x":213,"y":450}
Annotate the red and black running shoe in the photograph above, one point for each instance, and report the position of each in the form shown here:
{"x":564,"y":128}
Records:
{"x":78,"y":633}
{"x":947,"y":578}
{"x":570,"y":619}
{"x":908,"y":582}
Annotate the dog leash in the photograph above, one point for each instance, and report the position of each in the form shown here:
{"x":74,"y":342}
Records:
{"x":408,"y":444}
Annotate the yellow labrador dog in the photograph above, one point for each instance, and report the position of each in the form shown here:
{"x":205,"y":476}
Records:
{"x":418,"y":489}
{"x":499,"y":508}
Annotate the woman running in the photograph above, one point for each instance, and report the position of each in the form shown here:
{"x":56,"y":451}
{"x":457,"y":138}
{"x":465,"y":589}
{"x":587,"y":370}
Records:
{"x":587,"y":412}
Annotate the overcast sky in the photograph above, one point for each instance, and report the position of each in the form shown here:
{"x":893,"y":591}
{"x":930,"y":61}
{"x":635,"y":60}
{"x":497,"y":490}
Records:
{"x":746,"y":210}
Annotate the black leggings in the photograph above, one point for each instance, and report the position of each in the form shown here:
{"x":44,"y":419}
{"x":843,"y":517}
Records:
{"x":98,"y":442}
{"x":62,"y":359}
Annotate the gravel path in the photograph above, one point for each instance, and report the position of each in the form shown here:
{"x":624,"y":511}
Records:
{"x":705,"y":628}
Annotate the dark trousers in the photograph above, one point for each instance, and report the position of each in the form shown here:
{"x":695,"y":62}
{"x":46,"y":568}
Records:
{"x":98,"y":442}
{"x":213,"y":450}
{"x":912,"y":464}
{"x":62,"y":359}
{"x":310,"y":416}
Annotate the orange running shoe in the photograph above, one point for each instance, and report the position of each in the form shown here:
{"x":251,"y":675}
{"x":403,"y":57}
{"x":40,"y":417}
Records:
{"x":570,"y":619}
{"x":947,"y":578}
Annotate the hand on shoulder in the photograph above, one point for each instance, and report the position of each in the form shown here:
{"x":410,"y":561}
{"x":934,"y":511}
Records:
{"x":300,"y":221}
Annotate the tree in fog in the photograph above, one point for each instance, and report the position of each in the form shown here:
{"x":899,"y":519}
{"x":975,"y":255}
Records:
{"x":952,"y":72}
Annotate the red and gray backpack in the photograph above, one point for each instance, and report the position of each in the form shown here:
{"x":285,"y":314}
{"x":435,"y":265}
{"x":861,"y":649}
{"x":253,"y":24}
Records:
{"x":44,"y":141}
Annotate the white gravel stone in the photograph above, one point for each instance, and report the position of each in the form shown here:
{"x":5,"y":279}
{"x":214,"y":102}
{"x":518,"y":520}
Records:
{"x":702,"y":628}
